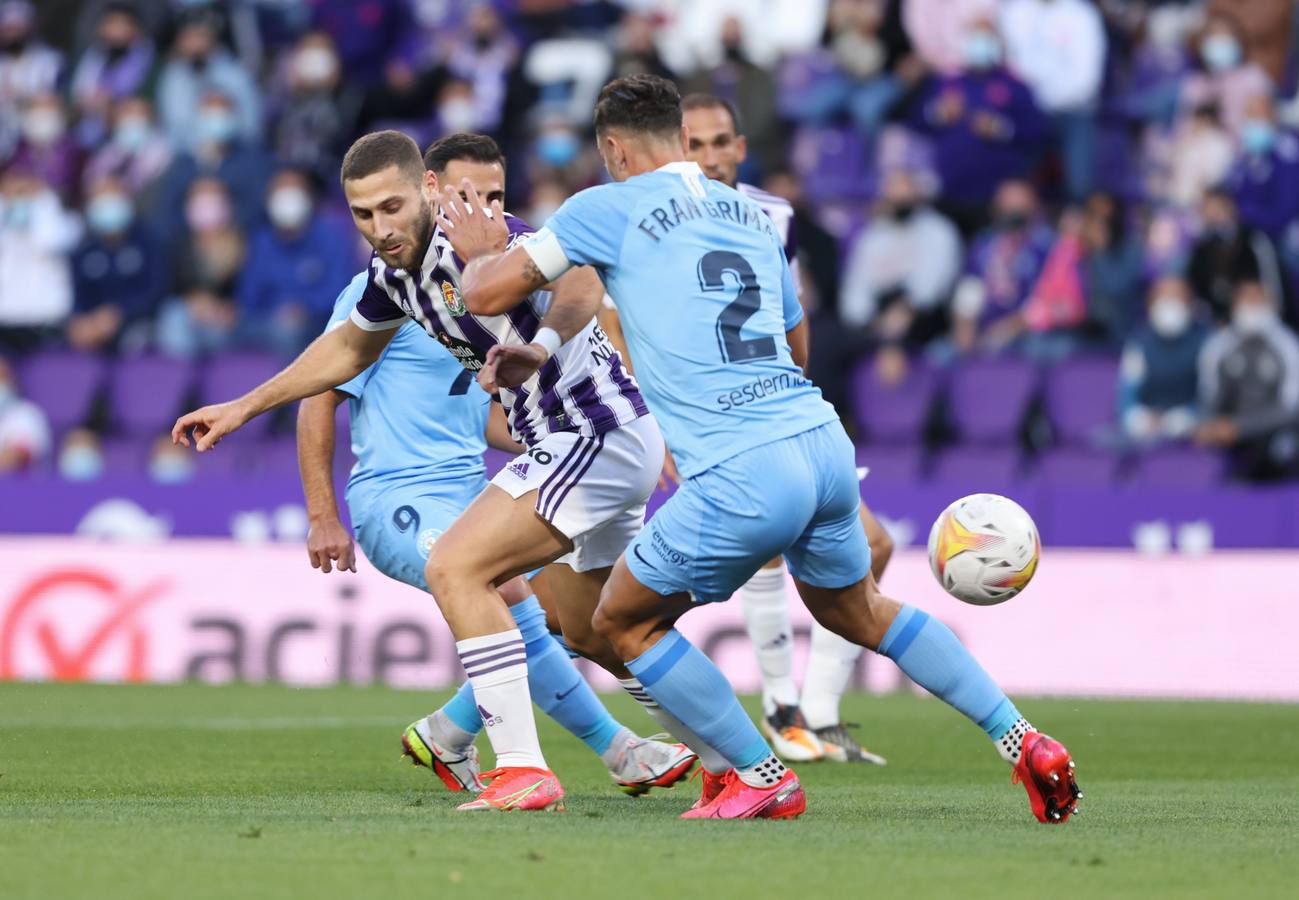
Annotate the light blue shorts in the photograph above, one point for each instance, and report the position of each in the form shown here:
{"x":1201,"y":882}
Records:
{"x":797,"y":497}
{"x":396,"y":528}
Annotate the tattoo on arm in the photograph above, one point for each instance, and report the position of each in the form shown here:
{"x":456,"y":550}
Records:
{"x":532,"y":275}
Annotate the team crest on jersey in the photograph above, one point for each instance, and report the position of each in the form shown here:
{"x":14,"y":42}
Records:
{"x":427,"y":538}
{"x":451,"y":297}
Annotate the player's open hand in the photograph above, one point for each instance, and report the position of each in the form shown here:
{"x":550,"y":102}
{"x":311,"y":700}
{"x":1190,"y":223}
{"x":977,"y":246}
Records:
{"x":329,"y":542}
{"x":510,"y":366}
{"x":474,"y":230}
{"x":208,"y":425}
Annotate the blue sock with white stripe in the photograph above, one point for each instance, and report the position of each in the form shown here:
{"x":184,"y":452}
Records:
{"x":687,"y":684}
{"x":557,"y":687}
{"x":934,"y":658}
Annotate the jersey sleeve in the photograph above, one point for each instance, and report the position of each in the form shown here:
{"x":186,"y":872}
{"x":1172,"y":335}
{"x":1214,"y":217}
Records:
{"x":344,"y":306}
{"x":789,"y":296}
{"x":375,"y":310}
{"x":586,"y":231}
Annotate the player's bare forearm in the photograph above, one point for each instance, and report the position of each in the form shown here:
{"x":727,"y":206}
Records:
{"x":316,"y":436}
{"x":497,"y":432}
{"x":797,"y":337}
{"x":611,"y":323}
{"x":495,"y":283}
{"x":577,"y":298}
{"x":332,"y":359}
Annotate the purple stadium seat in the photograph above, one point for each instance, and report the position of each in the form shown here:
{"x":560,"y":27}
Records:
{"x":1081,"y":399}
{"x":1179,"y":467}
{"x":893,"y":414}
{"x":495,"y":460}
{"x":125,"y":456}
{"x":891,"y":464}
{"x":988,"y":398}
{"x":1075,"y":467}
{"x":229,"y":376}
{"x":63,"y":384}
{"x":833,"y":163}
{"x":977,"y":468}
{"x":146,"y":393}
{"x":275,"y":456}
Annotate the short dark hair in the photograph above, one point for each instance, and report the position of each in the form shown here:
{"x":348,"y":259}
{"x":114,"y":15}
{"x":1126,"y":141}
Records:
{"x":377,"y":151}
{"x":712,"y":101}
{"x":641,"y":103}
{"x":465,"y":146}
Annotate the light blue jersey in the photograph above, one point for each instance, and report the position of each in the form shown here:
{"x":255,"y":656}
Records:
{"x":700,"y":279}
{"x":418,"y":418}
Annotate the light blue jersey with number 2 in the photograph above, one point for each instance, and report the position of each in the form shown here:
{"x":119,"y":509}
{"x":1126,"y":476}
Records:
{"x":699,"y":276}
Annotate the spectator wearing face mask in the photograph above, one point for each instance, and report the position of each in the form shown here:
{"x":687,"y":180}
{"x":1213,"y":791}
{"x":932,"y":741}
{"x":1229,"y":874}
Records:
{"x":24,"y":430}
{"x":217,"y":151}
{"x":637,"y":53}
{"x":1265,"y":181}
{"x":1227,"y":79}
{"x":119,"y":274}
{"x":169,"y":463}
{"x":27,"y":68}
{"x":201,"y":316}
{"x":295,"y":264}
{"x":81,"y":456}
{"x":116,"y":64}
{"x":36,"y":235}
{"x":1004,"y":264}
{"x":937,"y":29}
{"x":1249,"y":388}
{"x":198,"y":68}
{"x":316,"y":116}
{"x":48,"y":149}
{"x":137,"y":153}
{"x":1158,"y":372}
{"x":1228,"y":252}
{"x":984,"y":125}
{"x":484,"y":62}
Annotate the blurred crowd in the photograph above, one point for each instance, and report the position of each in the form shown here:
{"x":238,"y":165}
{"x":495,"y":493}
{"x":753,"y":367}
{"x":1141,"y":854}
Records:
{"x":1043,"y":179}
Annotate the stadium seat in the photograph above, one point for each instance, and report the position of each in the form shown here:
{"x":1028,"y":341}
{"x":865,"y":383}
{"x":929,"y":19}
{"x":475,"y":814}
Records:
{"x":1177,"y":466}
{"x":146,"y":394}
{"x":125,"y":456}
{"x":1081,"y":400}
{"x":64,"y":385}
{"x":893,"y":414}
{"x":1076,"y":467}
{"x":232,"y":375}
{"x":988,"y":399}
{"x":977,"y":468}
{"x":891,"y":464}
{"x":833,"y":163}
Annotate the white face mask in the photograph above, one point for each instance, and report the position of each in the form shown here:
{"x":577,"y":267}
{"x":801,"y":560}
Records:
{"x":1169,"y":316}
{"x":1253,"y":319}
{"x":288,"y":208}
{"x":458,"y":115}
{"x":315,"y":65}
{"x":43,"y":126}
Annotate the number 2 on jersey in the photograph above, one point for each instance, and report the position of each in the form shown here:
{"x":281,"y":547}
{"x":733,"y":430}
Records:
{"x":735,"y":349}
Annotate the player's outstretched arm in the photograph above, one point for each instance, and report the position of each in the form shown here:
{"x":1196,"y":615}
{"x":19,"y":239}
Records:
{"x":333,"y":358}
{"x":327,"y":538}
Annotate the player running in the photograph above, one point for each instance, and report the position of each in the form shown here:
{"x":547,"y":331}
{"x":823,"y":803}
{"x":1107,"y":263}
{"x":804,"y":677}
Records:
{"x":806,"y":726}
{"x":419,"y":465}
{"x":578,"y":493}
{"x":713,"y":321}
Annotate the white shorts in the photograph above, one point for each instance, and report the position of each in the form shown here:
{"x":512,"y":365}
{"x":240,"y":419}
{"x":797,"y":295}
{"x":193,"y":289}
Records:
{"x":593,"y":490}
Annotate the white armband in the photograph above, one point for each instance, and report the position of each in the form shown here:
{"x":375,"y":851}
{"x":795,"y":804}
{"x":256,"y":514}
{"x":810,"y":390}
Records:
{"x":550,"y":339}
{"x":546,"y":252}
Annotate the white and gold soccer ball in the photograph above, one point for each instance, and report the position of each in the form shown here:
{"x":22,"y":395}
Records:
{"x":984,"y":549}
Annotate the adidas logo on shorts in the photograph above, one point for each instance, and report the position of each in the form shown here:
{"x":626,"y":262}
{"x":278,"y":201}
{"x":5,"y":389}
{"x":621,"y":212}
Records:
{"x":519,"y":469}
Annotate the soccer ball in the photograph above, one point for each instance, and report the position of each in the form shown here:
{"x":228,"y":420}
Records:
{"x":984,"y":549}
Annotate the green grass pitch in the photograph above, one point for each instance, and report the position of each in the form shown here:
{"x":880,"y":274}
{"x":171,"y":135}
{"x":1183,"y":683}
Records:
{"x":250,"y":792}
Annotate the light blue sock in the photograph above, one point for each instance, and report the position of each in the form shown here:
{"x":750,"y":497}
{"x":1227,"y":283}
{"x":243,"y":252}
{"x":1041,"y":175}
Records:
{"x":463,"y":711}
{"x":563,"y":645}
{"x":932,"y":656}
{"x":686,"y":683}
{"x":557,"y":687}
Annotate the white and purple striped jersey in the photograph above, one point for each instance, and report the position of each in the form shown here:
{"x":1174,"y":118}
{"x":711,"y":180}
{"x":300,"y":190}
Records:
{"x":782,"y":216}
{"x":583,"y":388}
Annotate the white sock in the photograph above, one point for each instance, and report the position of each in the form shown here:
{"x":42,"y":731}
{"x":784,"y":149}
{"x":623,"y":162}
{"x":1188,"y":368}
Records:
{"x":764,"y":774}
{"x":439,"y":727}
{"x":1011,"y":744}
{"x":829,"y":669}
{"x":498,"y":669}
{"x":766,"y":615}
{"x":709,"y":758}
